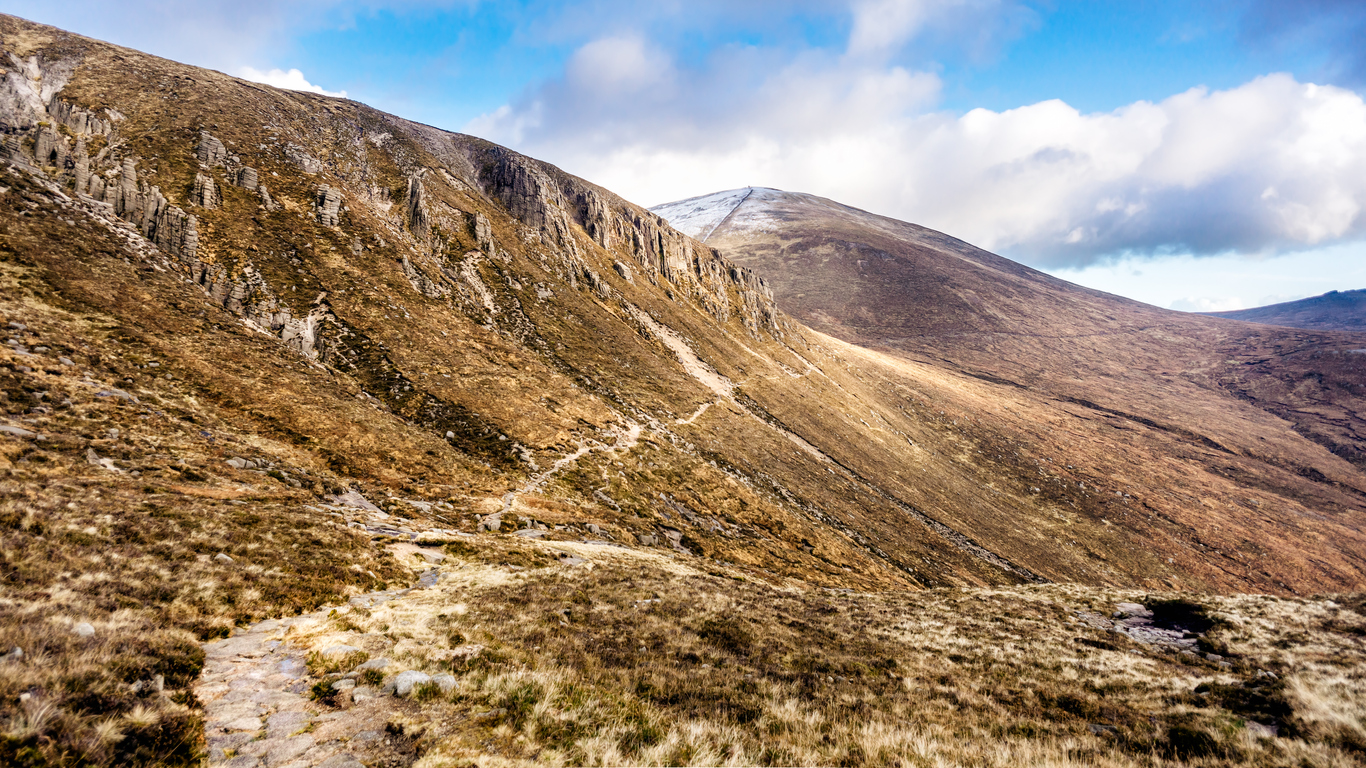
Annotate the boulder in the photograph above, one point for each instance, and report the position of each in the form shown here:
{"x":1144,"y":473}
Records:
{"x":445,"y":682}
{"x":1132,"y":609}
{"x":379,"y":663}
{"x":222,"y":557}
{"x":407,"y":681}
{"x":84,"y":629}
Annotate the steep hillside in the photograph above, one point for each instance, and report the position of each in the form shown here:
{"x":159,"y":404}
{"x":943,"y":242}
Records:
{"x":269,"y":350}
{"x":1333,"y":311}
{"x":1125,"y":392}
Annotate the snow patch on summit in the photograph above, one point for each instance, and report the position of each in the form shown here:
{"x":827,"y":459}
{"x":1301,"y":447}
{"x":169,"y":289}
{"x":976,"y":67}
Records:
{"x":698,"y":217}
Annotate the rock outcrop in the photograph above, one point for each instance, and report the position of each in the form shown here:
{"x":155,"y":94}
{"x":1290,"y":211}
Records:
{"x":205,"y":193}
{"x":246,"y":178}
{"x":538,"y":197}
{"x":327,"y":205}
{"x":210,"y":152}
{"x":419,"y":221}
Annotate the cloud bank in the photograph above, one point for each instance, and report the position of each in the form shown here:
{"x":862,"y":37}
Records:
{"x":1269,"y":166}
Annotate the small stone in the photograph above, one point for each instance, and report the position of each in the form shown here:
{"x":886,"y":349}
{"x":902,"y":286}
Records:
{"x":343,"y":685}
{"x":407,"y":681}
{"x":17,"y":654}
{"x":363,"y":693}
{"x":1213,"y":657}
{"x":340,"y":650}
{"x":379,"y":663}
{"x":84,"y":629}
{"x":445,"y":682}
{"x":1263,"y":674}
{"x":15,"y":431}
{"x":222,"y":558}
{"x":1100,"y":729}
{"x":594,"y":529}
{"x":238,"y":462}
{"x":432,"y":557}
{"x":66,"y":361}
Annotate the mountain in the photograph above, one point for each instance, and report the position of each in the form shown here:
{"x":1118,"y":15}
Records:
{"x":291,"y":384}
{"x":1333,"y":311}
{"x":1121,"y":392}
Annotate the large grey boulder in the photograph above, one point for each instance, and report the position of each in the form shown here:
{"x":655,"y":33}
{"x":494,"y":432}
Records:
{"x":407,"y":681}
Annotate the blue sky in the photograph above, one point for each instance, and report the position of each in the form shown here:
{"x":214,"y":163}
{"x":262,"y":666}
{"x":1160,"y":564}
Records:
{"x":1188,"y":154}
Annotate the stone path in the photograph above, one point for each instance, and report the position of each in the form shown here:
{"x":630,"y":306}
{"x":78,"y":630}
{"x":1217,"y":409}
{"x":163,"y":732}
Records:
{"x":257,"y":709}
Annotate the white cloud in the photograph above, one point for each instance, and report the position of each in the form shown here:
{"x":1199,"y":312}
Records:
{"x":291,"y":79}
{"x":1269,"y":166}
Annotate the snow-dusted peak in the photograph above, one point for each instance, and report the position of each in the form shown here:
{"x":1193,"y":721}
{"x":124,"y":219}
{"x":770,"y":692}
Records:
{"x":698,"y":217}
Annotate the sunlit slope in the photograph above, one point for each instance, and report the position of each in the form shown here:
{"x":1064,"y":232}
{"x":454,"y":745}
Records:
{"x":1199,"y":416}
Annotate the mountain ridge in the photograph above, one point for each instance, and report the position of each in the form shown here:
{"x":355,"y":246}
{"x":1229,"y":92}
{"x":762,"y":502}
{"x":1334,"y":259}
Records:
{"x":1332,"y":311}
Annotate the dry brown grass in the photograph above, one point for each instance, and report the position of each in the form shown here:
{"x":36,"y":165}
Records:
{"x":648,"y":660}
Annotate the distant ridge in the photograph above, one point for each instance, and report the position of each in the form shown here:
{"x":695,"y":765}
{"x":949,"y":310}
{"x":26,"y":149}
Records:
{"x":1332,"y":311}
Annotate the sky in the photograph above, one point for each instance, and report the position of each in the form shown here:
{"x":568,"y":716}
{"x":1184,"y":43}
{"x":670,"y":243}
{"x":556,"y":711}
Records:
{"x":1194,"y":155}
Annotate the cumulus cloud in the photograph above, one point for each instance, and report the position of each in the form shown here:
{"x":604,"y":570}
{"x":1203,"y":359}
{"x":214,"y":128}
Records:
{"x":292,"y":79}
{"x":1273,"y":164}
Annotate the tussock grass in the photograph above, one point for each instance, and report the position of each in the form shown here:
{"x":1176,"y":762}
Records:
{"x":644,"y":661}
{"x":132,"y":554}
